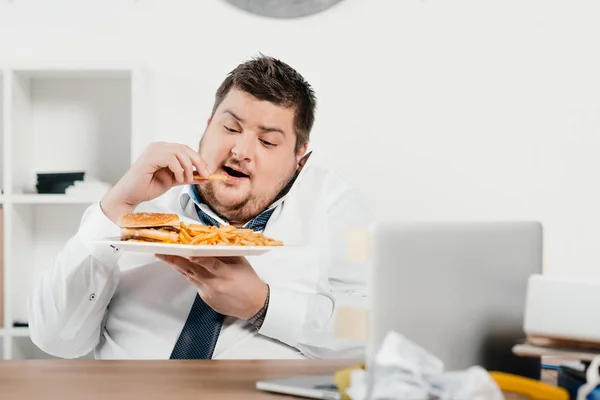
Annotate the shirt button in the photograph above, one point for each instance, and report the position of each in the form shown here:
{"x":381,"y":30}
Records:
{"x":92,"y":296}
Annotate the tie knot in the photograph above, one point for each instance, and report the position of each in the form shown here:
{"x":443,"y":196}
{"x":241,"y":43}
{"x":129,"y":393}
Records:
{"x":257,"y":223}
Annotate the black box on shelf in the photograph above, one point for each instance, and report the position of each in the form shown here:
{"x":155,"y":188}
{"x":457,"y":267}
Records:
{"x":57,"y":182}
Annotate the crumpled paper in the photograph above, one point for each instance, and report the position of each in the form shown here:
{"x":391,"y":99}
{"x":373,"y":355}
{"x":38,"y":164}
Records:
{"x":592,"y":379}
{"x":404,"y":370}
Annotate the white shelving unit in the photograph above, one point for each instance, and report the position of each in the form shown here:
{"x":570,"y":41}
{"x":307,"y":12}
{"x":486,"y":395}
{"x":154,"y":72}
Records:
{"x":51,"y":199}
{"x":57,"y":117}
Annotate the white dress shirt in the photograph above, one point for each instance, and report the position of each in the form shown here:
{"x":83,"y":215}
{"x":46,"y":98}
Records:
{"x":125,"y":305}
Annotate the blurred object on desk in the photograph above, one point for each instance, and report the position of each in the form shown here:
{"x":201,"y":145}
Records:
{"x":468,"y":277}
{"x":560,"y":322}
{"x":560,"y":312}
{"x":404,"y":370}
{"x":571,"y":376}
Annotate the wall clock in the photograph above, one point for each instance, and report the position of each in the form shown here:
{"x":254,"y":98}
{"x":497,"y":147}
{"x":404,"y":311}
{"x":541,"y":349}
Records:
{"x":283,"y":8}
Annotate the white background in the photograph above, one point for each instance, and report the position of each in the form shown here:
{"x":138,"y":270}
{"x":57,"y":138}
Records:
{"x":436,"y":109}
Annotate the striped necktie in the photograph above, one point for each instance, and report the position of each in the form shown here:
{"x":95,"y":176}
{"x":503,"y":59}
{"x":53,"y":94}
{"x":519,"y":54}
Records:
{"x":199,"y":335}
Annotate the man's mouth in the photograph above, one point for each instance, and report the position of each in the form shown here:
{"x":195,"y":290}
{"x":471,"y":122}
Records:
{"x":235,"y":173}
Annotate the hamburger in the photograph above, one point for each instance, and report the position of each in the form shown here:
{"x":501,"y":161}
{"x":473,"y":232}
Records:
{"x":150,"y":227}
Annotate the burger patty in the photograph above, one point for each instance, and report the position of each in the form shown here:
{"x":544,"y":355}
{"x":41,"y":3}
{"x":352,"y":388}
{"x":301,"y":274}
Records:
{"x":161,"y":228}
{"x":138,"y":239}
{"x":169,"y":228}
{"x":151,"y":234}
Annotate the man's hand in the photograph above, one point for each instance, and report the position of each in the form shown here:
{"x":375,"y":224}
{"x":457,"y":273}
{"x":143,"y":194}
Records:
{"x":159,"y":168}
{"x":229,"y":285}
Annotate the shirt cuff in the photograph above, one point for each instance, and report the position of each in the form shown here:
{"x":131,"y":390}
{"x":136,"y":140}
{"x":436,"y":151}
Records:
{"x":96,"y":225}
{"x":285,"y":316}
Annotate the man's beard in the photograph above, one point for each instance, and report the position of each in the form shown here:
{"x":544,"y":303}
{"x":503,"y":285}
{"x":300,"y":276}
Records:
{"x":245,"y":209}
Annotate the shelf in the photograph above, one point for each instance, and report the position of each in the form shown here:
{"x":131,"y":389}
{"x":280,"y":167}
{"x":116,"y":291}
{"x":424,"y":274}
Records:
{"x":70,"y":69}
{"x":69,"y":122}
{"x":15,"y":332}
{"x":52,"y":199}
{"x":18,"y":332}
{"x":3,"y":122}
{"x":38,"y":233}
{"x":58,"y":116}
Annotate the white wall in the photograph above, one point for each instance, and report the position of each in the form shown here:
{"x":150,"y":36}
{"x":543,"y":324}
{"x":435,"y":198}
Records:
{"x":437,"y":109}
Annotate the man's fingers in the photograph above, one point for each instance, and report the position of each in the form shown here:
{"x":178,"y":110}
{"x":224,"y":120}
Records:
{"x":177,"y":169}
{"x":201,"y":273}
{"x":181,"y":264}
{"x":188,"y":168}
{"x":199,"y":163}
{"x":212,"y":264}
{"x":187,"y":268}
{"x":231,"y":260}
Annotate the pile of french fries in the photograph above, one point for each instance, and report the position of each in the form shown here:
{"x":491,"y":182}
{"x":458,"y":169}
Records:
{"x":224,"y":235}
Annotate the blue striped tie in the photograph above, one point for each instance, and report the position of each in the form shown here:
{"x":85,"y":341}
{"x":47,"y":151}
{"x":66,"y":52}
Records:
{"x":199,"y":335}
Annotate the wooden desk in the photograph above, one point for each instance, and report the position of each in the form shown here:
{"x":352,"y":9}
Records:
{"x":154,"y":380}
{"x":146,"y":380}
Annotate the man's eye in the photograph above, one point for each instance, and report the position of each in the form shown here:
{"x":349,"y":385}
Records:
{"x":228,"y":129}
{"x":268,"y":144}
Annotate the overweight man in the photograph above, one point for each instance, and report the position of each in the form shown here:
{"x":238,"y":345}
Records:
{"x":281,"y":304}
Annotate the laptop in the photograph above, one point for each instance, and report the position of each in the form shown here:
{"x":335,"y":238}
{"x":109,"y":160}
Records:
{"x":457,"y":289}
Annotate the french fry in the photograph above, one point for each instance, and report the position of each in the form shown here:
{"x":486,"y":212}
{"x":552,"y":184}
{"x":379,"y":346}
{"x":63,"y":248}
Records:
{"x":197,"y":234}
{"x":186,"y":235}
{"x":213,"y":177}
{"x":197,"y":239}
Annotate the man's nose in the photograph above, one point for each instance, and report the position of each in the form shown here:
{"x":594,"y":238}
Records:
{"x":244,"y":148}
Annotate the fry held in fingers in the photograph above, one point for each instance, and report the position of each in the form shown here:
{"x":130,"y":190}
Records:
{"x":212,"y":177}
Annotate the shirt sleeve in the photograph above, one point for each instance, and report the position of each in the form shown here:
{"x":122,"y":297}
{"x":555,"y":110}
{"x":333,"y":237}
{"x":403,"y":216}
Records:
{"x":67,"y":306}
{"x":308,"y":321}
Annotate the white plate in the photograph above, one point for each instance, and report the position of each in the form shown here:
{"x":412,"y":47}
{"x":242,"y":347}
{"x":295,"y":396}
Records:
{"x":185,"y":250}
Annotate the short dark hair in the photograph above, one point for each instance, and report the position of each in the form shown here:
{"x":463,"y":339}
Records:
{"x":272,"y":80}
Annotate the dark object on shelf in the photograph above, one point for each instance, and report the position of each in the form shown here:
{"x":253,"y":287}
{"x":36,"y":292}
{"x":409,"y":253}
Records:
{"x":57,"y":182}
{"x":18,"y":324}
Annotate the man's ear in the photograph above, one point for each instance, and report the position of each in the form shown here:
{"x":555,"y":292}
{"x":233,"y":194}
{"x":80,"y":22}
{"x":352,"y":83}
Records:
{"x":302,"y":161}
{"x":300,"y":153}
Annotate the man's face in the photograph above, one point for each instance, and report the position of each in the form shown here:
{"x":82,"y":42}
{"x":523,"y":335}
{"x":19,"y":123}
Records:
{"x":253,"y":143}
